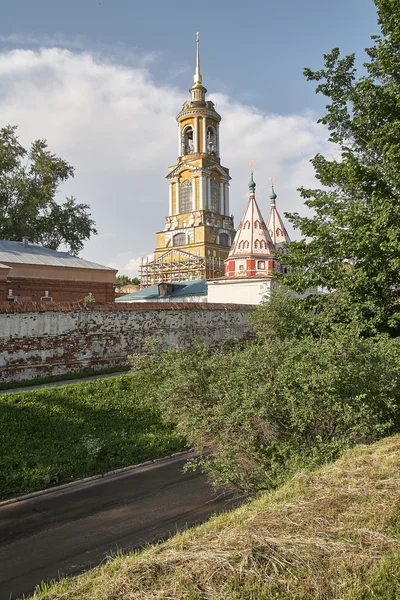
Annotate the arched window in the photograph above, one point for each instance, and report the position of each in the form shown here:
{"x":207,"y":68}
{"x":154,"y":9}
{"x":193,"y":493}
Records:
{"x":246,"y":244}
{"x":279,"y":231}
{"x":257,"y":244}
{"x":185,"y":198}
{"x":215,"y":205}
{"x":263,"y":244}
{"x":211,"y":140}
{"x":187,"y":140}
{"x":179,"y":239}
{"x":241,"y":245}
{"x":246,"y":225}
{"x":257,"y":225}
{"x":224,"y":239}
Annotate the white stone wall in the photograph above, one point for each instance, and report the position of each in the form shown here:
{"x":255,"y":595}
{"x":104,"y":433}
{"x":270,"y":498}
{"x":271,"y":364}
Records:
{"x":39,"y":344}
{"x":239,"y":291}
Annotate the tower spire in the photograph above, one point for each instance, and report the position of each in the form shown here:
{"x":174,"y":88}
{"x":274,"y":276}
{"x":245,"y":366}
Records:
{"x":273,"y":195}
{"x":197,"y":77}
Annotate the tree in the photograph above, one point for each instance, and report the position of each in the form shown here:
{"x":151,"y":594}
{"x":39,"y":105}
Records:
{"x":351,"y":244}
{"x":125,"y":280}
{"x":29,"y":182}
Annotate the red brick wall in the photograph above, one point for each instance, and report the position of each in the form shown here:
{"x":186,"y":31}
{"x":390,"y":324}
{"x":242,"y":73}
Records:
{"x":32,"y":290}
{"x":3,"y":290}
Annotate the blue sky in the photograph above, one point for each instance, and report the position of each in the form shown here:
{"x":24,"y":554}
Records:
{"x":252,"y":55}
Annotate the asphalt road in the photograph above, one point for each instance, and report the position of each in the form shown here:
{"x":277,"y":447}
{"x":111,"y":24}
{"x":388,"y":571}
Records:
{"x":68,"y":531}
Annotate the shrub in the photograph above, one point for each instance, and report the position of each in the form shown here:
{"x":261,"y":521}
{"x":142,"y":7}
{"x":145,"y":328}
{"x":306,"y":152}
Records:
{"x":278,"y":405}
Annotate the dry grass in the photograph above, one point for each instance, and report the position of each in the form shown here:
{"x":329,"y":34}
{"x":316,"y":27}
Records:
{"x":333,"y":534}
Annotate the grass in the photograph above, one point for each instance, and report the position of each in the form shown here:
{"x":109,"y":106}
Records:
{"x":11,"y":385}
{"x":328,"y":535}
{"x":55,"y":435}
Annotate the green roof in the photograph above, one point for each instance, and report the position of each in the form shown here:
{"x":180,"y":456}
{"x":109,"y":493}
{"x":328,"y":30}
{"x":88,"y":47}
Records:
{"x":181,"y":289}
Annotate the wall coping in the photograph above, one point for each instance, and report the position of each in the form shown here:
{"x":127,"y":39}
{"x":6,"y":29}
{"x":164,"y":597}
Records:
{"x":35,"y":307}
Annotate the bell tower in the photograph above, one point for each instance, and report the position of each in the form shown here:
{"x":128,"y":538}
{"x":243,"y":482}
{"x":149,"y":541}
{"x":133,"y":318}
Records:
{"x":198,"y":230}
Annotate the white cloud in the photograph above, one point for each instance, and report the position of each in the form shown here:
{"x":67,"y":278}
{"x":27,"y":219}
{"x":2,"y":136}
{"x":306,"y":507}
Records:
{"x":117,"y":126}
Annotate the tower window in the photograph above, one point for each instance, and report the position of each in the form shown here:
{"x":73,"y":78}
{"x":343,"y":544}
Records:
{"x":257,"y":225}
{"x":179,"y":239}
{"x":185,"y":198}
{"x":224,"y":239}
{"x":211,"y":140}
{"x":261,"y":264}
{"x":246,"y":225}
{"x":215,"y":197}
{"x":187,"y":140}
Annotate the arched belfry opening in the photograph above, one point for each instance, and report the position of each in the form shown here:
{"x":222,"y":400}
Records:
{"x":187,"y":140}
{"x":211,"y":145}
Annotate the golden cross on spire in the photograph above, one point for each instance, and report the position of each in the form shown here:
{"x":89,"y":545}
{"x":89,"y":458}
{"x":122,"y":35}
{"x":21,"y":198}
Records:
{"x":272,"y":180}
{"x":251,"y":166}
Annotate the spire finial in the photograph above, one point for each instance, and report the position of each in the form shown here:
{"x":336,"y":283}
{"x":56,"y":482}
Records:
{"x":252,"y":185}
{"x":272,"y":196}
{"x":197,"y":78}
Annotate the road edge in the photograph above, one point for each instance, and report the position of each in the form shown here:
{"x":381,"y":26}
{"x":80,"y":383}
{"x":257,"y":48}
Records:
{"x":78,"y":482}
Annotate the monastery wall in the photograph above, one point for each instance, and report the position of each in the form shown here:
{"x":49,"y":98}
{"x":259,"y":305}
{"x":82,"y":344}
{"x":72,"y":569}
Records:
{"x":38,"y":341}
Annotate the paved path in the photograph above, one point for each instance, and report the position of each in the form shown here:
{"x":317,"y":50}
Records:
{"x":28,"y":388}
{"x":67,"y":531}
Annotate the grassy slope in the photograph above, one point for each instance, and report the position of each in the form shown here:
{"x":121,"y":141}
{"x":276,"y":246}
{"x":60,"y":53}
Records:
{"x":55,"y":435}
{"x":11,"y":385}
{"x":332,"y":534}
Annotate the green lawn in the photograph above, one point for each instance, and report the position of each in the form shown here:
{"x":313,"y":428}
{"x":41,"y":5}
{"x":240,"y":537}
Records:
{"x":52,"y":436}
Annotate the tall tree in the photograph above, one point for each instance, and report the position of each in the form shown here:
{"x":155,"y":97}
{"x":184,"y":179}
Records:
{"x":351,"y":244}
{"x":29,"y":182}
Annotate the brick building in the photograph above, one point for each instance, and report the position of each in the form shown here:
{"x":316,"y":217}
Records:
{"x":32,"y":273}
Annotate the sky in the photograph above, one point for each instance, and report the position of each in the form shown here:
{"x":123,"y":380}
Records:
{"x":103,"y":80}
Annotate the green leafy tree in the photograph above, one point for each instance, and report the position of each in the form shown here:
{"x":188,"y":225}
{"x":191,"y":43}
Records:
{"x":351,"y":243}
{"x":125,"y":280}
{"x":29,"y":182}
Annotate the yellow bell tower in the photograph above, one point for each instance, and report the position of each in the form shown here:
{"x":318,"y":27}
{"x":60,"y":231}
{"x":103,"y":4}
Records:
{"x":198,"y":231}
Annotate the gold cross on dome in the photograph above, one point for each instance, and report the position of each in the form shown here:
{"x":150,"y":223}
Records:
{"x":251,"y":166}
{"x":272,"y":180}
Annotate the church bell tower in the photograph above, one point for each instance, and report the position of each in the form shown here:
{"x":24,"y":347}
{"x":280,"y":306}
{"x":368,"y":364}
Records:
{"x":198,"y":230}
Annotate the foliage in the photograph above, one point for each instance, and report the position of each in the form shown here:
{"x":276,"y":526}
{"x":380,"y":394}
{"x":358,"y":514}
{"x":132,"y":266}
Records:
{"x":281,"y":403}
{"x":322,"y":536}
{"x":125,"y":280}
{"x":352,"y":241}
{"x":58,"y":434}
{"x":29,"y":182}
{"x":89,"y":298}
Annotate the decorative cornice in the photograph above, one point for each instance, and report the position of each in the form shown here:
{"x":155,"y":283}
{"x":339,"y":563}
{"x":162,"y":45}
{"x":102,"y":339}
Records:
{"x":200,"y":112}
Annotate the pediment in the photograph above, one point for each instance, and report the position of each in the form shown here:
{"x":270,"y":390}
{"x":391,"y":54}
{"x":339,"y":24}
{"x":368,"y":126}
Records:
{"x":207,"y":167}
{"x":182,"y":167}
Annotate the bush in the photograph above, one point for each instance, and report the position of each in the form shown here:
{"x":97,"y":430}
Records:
{"x":278,"y":405}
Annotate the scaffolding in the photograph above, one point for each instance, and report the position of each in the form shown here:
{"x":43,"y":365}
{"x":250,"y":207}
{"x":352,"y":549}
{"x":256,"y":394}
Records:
{"x":177,"y":265}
